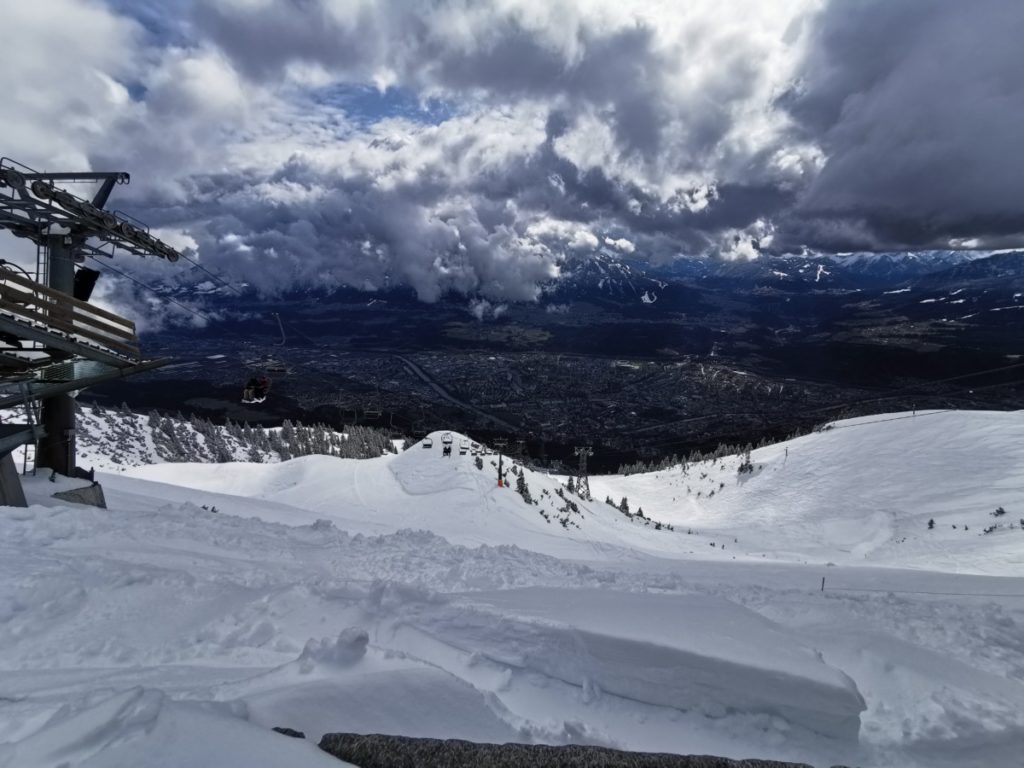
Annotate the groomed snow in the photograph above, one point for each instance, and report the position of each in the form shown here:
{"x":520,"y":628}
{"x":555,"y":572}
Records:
{"x":409,"y":594}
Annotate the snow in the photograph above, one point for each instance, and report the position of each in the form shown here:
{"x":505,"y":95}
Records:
{"x":410,"y":594}
{"x":688,"y":652}
{"x":142,"y":727}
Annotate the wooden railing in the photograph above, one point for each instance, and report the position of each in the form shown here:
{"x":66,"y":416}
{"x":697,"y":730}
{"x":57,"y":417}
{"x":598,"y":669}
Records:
{"x":59,"y":313}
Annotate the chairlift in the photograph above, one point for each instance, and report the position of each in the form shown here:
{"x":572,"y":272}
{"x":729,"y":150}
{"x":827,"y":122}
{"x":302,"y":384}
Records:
{"x":256,"y":390}
{"x":428,"y":442}
{"x":447,"y":438}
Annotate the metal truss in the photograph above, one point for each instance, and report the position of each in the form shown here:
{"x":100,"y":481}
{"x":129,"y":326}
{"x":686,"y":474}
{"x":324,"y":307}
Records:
{"x":34,"y":207}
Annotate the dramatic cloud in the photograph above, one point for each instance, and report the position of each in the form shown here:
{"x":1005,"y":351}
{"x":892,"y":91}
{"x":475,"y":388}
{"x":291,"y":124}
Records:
{"x":475,"y":146}
{"x":917,"y":106}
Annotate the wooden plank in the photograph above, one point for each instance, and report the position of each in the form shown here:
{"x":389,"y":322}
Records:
{"x":48,"y":321}
{"x":64,"y":311}
{"x":61,"y":311}
{"x":34,"y":287}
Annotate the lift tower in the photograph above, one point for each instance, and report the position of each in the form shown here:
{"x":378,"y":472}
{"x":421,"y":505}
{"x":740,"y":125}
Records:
{"x":57,"y":342}
{"x":583,"y":486}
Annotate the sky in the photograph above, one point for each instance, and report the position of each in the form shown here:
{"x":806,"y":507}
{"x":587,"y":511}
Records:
{"x":475,"y":146}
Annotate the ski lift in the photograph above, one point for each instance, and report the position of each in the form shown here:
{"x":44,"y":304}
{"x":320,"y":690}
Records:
{"x":375,"y":409}
{"x":256,"y":390}
{"x":447,"y":438}
{"x":463,"y":447}
{"x":428,"y":442}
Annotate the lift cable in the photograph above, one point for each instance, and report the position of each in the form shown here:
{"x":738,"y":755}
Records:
{"x":153,"y":290}
{"x":219,"y":279}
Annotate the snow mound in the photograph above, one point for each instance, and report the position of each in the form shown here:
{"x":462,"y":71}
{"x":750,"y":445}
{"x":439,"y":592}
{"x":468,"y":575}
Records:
{"x":455,"y":496}
{"x":347,"y":649}
{"x":688,"y":652}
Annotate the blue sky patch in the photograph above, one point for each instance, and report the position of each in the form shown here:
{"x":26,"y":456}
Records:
{"x":366,"y":104}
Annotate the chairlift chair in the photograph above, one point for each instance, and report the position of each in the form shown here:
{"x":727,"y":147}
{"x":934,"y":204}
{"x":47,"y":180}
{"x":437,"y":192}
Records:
{"x":256,"y":390}
{"x":428,"y":442}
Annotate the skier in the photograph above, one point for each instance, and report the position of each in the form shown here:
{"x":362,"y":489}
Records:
{"x":249,"y":393}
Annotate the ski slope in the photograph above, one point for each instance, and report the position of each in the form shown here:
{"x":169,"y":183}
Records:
{"x":861,"y":491}
{"x":410,"y":594}
{"x":422,"y":489}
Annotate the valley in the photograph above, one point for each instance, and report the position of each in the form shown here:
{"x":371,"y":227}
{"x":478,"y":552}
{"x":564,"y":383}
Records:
{"x":734,"y":356}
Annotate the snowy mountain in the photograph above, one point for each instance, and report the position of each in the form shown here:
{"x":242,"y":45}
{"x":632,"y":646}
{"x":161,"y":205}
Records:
{"x":409,"y":594}
{"x":113,"y":439}
{"x":609,"y":277}
{"x":603,"y":277}
{"x":888,"y":268}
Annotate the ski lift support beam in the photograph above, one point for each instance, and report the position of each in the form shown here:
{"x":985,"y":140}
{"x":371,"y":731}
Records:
{"x":33,"y":207}
{"x":67,"y":228}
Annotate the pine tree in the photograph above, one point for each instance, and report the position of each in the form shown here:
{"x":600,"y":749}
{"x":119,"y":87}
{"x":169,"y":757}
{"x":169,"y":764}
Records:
{"x":522,"y":489}
{"x":624,"y":506}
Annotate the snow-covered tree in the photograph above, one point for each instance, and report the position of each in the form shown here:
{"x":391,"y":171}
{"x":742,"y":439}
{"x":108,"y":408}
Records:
{"x":522,"y":488}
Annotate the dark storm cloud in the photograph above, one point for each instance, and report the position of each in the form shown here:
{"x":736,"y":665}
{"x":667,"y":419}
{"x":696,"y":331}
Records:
{"x":917,"y":106}
{"x":500,"y":58}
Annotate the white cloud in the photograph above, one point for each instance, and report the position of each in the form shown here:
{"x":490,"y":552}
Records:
{"x":620,"y":244}
{"x":482,"y":309}
{"x":64,"y":61}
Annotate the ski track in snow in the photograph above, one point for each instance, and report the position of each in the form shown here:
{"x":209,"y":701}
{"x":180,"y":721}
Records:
{"x":485,"y":621}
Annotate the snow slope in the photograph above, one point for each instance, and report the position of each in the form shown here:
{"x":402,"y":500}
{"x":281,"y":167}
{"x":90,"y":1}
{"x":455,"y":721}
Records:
{"x":421,"y":488}
{"x":409,"y":594}
{"x":860,"y":491}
